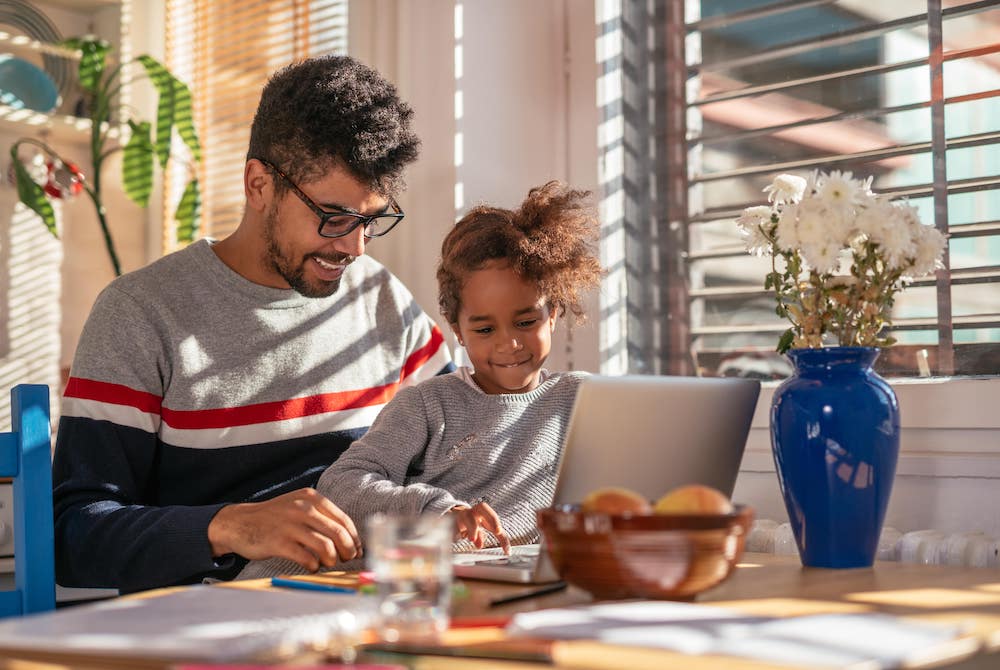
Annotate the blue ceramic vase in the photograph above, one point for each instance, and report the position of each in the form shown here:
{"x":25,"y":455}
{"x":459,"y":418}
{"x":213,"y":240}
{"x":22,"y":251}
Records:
{"x":835,"y":438}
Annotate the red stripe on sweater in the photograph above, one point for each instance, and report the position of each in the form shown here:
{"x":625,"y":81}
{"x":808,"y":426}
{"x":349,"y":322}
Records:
{"x":280,"y":410}
{"x":423,"y":354}
{"x":113,"y":394}
{"x":225,"y":417}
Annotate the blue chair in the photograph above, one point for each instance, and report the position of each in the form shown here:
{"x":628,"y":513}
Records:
{"x":25,"y":455}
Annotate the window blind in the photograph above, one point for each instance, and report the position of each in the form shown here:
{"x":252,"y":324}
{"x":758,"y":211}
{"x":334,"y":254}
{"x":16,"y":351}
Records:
{"x":904,"y":91}
{"x":226,"y":50}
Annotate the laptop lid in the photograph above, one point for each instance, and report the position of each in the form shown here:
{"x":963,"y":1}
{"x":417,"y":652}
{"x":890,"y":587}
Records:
{"x":651,"y":433}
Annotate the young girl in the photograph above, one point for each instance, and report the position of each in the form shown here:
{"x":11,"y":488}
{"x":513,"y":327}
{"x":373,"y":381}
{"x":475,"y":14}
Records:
{"x":483,"y":443}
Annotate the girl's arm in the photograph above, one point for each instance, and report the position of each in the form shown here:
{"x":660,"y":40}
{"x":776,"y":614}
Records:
{"x":369,"y":476}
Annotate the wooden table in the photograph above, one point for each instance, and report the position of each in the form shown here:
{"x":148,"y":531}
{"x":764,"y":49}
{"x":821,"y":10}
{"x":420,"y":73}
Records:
{"x":763,"y":584}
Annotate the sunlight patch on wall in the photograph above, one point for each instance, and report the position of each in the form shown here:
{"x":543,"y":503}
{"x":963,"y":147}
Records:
{"x":459,"y":110}
{"x":611,"y":168}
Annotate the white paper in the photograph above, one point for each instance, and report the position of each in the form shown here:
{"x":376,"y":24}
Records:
{"x":200,"y":623}
{"x":824,"y":640}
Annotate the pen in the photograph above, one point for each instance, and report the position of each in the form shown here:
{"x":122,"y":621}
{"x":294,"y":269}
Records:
{"x":309,"y":586}
{"x":530,"y":593}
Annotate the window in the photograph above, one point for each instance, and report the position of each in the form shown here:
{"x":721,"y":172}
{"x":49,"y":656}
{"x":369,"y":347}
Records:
{"x":718,"y":96}
{"x":225,"y":50}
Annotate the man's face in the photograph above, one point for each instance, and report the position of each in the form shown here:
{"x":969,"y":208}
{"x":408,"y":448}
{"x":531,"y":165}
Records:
{"x":295,"y":251}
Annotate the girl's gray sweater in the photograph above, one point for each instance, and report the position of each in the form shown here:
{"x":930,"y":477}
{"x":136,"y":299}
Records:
{"x":443,"y":443}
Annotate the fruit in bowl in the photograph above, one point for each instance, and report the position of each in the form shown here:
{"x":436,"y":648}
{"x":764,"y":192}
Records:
{"x":615,"y":500}
{"x":689,"y":542}
{"x":693,"y":499}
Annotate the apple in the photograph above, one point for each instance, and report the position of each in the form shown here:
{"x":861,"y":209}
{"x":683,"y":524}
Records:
{"x":615,"y":500}
{"x":693,"y":499}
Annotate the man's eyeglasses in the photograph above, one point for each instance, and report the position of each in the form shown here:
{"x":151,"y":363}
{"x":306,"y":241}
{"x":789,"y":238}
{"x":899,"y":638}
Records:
{"x":339,"y":222}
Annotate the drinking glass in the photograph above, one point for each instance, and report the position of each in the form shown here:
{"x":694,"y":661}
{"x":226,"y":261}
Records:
{"x":411,"y":561}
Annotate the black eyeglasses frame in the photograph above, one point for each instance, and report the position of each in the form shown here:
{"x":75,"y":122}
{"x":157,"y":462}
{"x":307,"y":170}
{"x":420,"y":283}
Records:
{"x":325,"y":215}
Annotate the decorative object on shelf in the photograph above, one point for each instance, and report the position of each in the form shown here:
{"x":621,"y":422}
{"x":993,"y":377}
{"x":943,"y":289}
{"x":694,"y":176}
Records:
{"x":25,"y":86}
{"x":62,"y":180}
{"x":101,"y":84}
{"x":839,"y":255}
{"x":24,"y":17}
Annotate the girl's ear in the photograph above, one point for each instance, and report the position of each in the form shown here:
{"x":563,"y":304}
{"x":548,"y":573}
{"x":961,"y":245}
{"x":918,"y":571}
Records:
{"x":458,"y":335}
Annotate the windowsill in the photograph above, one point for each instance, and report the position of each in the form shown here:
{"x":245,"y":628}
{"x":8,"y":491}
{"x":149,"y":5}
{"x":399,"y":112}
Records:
{"x":933,"y":402}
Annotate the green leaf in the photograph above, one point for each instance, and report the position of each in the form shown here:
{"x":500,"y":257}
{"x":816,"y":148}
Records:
{"x":32,"y":195}
{"x":137,"y":164}
{"x":188,"y":212}
{"x":785,"y":341}
{"x":173,"y":110}
{"x":92,"y":60}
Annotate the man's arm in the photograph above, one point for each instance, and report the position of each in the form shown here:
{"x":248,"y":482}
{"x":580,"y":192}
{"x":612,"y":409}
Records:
{"x":109,"y":531}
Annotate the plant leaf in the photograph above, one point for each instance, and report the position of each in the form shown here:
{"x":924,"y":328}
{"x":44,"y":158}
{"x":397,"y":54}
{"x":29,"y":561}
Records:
{"x":137,"y":164}
{"x":92,"y":60}
{"x":173,"y":110}
{"x":32,"y":195}
{"x":188,"y":212}
{"x":785,"y":341}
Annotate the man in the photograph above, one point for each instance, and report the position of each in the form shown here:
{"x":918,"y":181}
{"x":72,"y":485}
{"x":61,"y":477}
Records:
{"x":211,"y":388}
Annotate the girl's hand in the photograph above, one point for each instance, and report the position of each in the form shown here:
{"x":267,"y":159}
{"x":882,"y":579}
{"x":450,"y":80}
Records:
{"x":471,"y":523}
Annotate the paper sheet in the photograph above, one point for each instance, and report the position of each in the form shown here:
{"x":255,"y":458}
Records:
{"x":822,"y":640}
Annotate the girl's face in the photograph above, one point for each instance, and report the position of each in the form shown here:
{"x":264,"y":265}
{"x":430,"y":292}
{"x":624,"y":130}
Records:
{"x":506,"y":328}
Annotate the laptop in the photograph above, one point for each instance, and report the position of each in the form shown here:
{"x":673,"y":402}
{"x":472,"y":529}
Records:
{"x":648,"y":433}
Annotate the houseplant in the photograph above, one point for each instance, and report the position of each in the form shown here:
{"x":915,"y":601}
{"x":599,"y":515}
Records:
{"x":101,"y":85}
{"x":839,"y":255}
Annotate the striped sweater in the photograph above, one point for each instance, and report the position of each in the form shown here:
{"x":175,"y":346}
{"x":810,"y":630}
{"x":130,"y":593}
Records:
{"x":193,"y":387}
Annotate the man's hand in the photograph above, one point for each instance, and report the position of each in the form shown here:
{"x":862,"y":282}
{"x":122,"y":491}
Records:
{"x":302,"y":526}
{"x":471,"y":522}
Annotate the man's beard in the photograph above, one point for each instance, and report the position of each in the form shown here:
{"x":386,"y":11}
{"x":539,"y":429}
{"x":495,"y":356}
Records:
{"x":292,"y":272}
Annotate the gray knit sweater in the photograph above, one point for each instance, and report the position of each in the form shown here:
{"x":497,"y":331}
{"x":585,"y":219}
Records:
{"x":443,"y":443}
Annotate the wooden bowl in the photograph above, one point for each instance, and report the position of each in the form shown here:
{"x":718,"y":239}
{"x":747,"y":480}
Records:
{"x":662,"y":556}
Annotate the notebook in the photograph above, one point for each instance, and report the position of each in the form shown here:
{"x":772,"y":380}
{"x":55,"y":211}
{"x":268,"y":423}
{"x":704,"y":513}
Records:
{"x":648,"y":433}
{"x":196,"y":624}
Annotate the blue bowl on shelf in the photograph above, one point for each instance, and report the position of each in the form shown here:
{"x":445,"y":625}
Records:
{"x":26,"y":86}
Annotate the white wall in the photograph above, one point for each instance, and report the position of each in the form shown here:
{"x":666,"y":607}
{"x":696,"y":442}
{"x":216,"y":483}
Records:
{"x":526,"y":115}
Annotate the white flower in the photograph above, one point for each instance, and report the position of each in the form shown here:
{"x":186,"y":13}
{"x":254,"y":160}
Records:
{"x":753,"y":223}
{"x":895,"y":237}
{"x":787,"y":229}
{"x":838,"y":190}
{"x":930,"y":244}
{"x":822,"y":255}
{"x":812,"y":228}
{"x":785,"y":188}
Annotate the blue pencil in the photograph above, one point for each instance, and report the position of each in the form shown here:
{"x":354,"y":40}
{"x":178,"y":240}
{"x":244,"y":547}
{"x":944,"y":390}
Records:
{"x":309,"y":586}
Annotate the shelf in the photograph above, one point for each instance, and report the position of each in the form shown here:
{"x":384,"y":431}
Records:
{"x":49,"y":127}
{"x":26,"y":44}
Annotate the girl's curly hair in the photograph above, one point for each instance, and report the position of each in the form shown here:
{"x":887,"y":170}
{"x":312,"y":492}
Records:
{"x":551,"y":240}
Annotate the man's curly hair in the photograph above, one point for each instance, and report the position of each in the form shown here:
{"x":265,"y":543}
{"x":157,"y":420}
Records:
{"x":550,"y":240}
{"x":334,"y":111}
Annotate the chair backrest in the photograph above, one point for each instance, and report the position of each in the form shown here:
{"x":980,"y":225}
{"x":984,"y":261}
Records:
{"x":25,"y":455}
